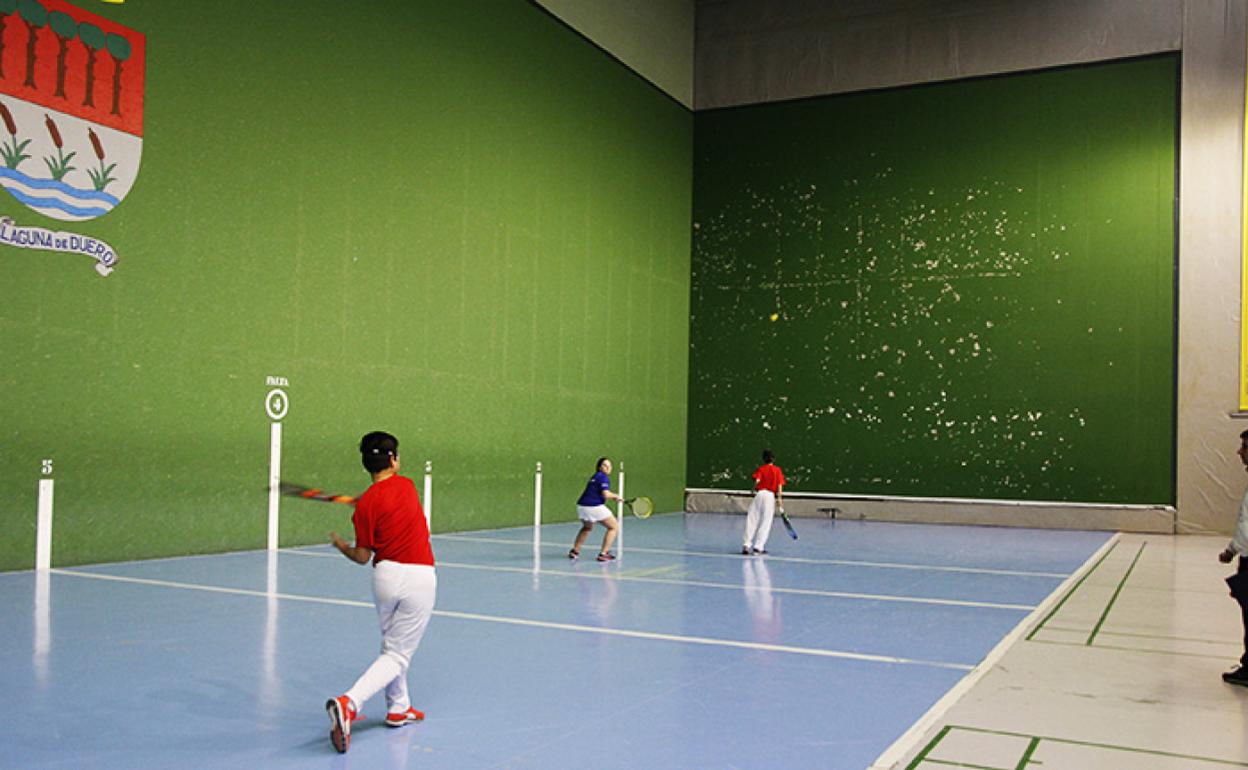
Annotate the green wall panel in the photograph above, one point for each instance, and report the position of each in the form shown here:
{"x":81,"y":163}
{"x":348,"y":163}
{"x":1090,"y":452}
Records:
{"x":972,"y":286}
{"x":458,"y":222}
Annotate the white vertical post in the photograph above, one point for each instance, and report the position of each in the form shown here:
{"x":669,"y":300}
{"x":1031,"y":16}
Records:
{"x":276,"y":405}
{"x":537,"y":512}
{"x":429,"y":494}
{"x":619,"y":516}
{"x":275,"y":480}
{"x":43,"y":527}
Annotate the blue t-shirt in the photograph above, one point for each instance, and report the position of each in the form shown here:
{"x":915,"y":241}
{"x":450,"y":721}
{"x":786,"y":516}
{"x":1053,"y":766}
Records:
{"x":598,"y":483}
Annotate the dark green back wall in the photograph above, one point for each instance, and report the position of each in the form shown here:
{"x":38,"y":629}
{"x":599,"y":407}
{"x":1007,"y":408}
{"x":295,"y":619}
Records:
{"x":459,"y":222}
{"x":972,"y":284}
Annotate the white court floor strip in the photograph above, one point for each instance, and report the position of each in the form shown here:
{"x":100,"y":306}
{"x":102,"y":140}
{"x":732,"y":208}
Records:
{"x":804,"y":592}
{"x":772,"y":557}
{"x":707,"y":584}
{"x":759,"y":646}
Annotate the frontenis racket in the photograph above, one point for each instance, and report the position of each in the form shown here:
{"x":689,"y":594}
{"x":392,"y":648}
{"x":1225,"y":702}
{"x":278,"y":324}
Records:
{"x":788,"y":525}
{"x":313,"y":493}
{"x":641,"y":507}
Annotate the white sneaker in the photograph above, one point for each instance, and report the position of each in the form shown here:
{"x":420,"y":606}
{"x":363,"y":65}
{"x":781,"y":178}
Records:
{"x":340,"y":717}
{"x":396,"y":719}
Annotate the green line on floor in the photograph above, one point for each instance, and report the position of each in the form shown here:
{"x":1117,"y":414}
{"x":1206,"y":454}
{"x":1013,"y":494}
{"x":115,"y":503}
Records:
{"x":967,"y":765}
{"x":1097,"y":629}
{"x":1026,"y":758}
{"x":1071,"y":592}
{"x":928,"y":748}
{"x":1145,"y":650}
{"x":1164,"y":637}
{"x":1094,"y":745}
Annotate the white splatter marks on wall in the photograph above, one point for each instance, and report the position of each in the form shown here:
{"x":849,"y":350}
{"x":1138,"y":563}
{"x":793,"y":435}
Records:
{"x":848,"y":324}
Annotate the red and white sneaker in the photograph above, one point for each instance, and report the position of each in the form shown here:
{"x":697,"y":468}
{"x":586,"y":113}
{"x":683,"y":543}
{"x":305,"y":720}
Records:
{"x":399,"y":719}
{"x":341,"y":715}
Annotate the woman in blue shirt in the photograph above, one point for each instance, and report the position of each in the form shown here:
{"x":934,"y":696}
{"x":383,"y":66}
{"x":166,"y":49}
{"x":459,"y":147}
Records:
{"x":592,"y":507}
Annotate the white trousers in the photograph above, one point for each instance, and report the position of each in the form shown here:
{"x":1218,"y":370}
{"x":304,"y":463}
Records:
{"x":404,"y":595}
{"x":758,"y":520}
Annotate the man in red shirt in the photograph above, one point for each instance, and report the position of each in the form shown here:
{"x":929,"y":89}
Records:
{"x":390,"y":529}
{"x":768,"y":486}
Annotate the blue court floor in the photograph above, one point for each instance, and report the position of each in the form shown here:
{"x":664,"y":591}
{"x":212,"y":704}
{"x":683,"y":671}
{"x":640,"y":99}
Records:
{"x":683,"y":654}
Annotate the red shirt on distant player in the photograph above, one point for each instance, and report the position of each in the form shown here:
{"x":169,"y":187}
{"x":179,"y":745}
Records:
{"x":769,"y":477}
{"x":390,"y":520}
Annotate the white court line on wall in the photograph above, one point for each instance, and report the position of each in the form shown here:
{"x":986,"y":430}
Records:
{"x":793,"y":559}
{"x":275,"y":481}
{"x":537,"y":519}
{"x":708,"y":584}
{"x":428,"y":498}
{"x":907,"y":742}
{"x":43,"y":527}
{"x":701,"y":640}
{"x":619,"y":517}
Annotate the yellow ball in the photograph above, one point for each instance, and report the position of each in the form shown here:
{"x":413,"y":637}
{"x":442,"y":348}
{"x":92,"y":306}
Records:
{"x":775,"y":316}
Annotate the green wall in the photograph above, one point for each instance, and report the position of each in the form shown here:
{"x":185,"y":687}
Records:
{"x":972,"y":285}
{"x":459,"y":222}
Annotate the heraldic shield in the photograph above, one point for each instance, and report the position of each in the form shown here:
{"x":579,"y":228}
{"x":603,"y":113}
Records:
{"x":71,"y":102}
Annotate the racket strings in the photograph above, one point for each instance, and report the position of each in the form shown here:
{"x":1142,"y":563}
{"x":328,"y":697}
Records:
{"x":641,"y":507}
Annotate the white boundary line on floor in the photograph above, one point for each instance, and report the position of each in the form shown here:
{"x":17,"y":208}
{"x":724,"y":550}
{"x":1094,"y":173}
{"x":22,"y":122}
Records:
{"x":706,"y":584}
{"x":791,"y":559}
{"x":757,"y":646}
{"x":969,"y":501}
{"x":895,"y":753}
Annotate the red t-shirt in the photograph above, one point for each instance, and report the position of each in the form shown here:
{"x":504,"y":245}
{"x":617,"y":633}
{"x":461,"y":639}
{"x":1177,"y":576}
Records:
{"x":769,"y":477}
{"x":389,"y":520}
